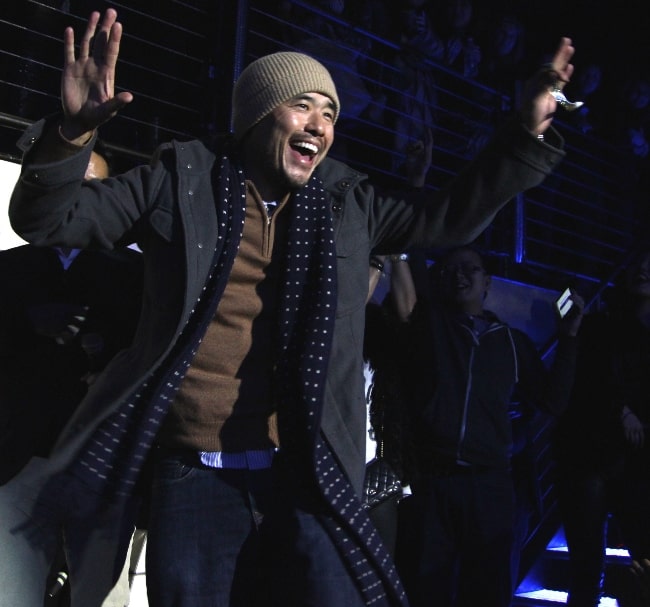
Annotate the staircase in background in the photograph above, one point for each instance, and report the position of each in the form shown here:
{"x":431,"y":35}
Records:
{"x":546,"y":582}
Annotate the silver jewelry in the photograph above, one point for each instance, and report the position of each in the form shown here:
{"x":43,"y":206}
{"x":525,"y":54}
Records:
{"x":560,"y":97}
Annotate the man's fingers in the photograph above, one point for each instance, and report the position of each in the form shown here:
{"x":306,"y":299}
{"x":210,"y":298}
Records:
{"x":113,"y":45}
{"x":102,"y":36}
{"x":84,"y":47}
{"x":115,"y":104}
{"x":563,"y":54}
{"x":68,"y":46}
{"x":560,"y":64}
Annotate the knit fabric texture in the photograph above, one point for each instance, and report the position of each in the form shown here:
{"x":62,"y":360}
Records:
{"x":273,"y":79}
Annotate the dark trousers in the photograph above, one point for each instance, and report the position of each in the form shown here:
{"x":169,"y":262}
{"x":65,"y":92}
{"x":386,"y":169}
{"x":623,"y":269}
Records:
{"x":585,"y":505}
{"x":463,"y":527}
{"x":230,"y":538}
{"x":587,"y":497}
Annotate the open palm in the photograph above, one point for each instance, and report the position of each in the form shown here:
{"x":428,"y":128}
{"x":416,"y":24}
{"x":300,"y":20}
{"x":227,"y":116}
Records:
{"x":88,"y":81}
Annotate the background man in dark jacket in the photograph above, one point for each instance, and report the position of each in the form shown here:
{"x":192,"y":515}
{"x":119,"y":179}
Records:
{"x":601,"y":441}
{"x":466,"y":365}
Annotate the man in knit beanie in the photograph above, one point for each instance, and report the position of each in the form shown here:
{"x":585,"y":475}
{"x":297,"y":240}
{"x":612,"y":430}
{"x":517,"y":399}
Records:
{"x":244,"y":385}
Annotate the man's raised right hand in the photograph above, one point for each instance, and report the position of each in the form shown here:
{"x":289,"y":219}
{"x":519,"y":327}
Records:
{"x":88,"y":81}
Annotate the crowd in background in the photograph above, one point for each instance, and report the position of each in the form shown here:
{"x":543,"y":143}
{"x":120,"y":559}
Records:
{"x":495,"y":44}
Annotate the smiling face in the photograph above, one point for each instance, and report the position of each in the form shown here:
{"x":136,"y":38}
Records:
{"x":464,"y":283}
{"x":281,"y":151}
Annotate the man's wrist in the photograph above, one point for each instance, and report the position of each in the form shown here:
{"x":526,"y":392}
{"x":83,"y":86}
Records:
{"x":78,"y":141}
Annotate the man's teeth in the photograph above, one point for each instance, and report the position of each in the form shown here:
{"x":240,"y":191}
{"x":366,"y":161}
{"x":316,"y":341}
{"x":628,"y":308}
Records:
{"x":310,"y":147}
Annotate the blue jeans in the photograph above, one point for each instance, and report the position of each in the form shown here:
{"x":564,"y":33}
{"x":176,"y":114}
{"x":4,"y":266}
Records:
{"x":235,"y":538}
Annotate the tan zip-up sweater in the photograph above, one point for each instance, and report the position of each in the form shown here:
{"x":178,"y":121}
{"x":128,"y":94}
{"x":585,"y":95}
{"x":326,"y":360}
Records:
{"x":218,"y":407}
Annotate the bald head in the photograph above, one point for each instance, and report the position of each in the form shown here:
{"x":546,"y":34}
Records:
{"x":97,"y":167}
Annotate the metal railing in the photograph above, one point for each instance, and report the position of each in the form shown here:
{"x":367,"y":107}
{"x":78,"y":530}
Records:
{"x":575,"y":228}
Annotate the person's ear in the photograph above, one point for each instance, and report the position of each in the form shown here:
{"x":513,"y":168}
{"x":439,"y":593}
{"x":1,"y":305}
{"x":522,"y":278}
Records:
{"x":488,"y":284}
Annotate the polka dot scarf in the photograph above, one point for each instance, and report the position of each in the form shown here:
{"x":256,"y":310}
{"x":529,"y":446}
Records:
{"x":307,"y":312}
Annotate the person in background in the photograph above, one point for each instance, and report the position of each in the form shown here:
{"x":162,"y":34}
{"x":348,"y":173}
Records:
{"x":462,"y":51}
{"x":502,"y":66}
{"x":600,"y":444}
{"x":466,"y":366}
{"x":64,"y":314}
{"x":413,"y":75}
{"x":384,"y":359}
{"x":244,"y":385}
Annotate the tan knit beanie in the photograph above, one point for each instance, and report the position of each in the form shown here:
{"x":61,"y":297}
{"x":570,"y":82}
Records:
{"x":271,"y":80}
